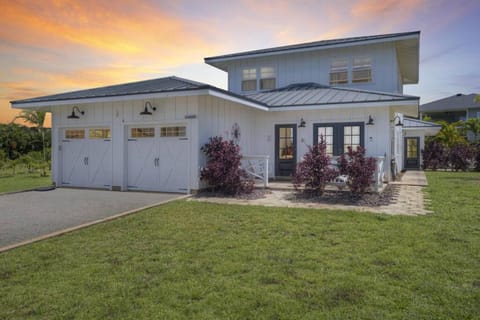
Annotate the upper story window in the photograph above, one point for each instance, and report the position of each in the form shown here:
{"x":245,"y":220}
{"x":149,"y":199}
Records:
{"x":339,"y":71}
{"x":362,"y":69}
{"x":267,"y":78}
{"x":249,"y":79}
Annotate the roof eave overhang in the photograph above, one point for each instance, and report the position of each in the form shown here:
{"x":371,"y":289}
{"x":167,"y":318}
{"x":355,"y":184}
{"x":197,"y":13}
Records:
{"x":208,"y":91}
{"x":218,"y":61}
{"x":403,"y":104}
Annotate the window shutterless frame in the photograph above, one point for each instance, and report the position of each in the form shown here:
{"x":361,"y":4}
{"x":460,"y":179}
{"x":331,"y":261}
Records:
{"x":338,"y":134}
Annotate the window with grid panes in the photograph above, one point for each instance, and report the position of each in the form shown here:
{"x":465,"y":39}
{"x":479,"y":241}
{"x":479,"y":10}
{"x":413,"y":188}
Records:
{"x":180,"y":131}
{"x":142,"y":132}
{"x":267,"y":78}
{"x":339,"y":71}
{"x":249,"y":79}
{"x":75,"y":134}
{"x":362,"y":69}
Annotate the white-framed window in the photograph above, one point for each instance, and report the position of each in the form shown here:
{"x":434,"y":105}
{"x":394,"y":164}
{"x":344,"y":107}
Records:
{"x":75,"y":134}
{"x":99,"y":133}
{"x":180,"y":131}
{"x":267,"y":78}
{"x":339,"y":71}
{"x":362,"y":69}
{"x":249,"y":79}
{"x":142,"y":132}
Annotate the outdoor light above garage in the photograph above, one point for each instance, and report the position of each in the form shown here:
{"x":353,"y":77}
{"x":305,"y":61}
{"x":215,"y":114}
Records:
{"x":145,"y":111}
{"x":73,"y":115}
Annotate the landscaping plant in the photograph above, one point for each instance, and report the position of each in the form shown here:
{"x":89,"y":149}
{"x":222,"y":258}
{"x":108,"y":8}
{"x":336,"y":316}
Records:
{"x":358,"y":168}
{"x":435,"y":155}
{"x":223,"y":170}
{"x":460,"y":156}
{"x":314,"y":171}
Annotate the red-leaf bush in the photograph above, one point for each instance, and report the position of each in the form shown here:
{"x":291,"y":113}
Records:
{"x":314,"y":171}
{"x":461,"y":155}
{"x":358,"y":168}
{"x":223,"y":171}
{"x":435,"y":155}
{"x":477,"y":157}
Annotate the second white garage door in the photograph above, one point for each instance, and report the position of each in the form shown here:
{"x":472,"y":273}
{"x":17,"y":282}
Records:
{"x":158,"y":158}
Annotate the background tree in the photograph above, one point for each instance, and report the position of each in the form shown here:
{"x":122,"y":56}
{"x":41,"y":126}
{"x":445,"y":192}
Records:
{"x":450,"y":134}
{"x":473,"y":125}
{"x":36,"y":119}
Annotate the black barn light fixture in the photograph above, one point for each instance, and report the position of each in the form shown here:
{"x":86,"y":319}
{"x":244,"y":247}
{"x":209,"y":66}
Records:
{"x":370,"y":121}
{"x":145,"y":111}
{"x":302,"y":123}
{"x":73,"y":115}
{"x":399,"y":123}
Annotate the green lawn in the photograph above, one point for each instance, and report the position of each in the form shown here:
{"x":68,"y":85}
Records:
{"x":190,"y":260}
{"x":23,"y":181}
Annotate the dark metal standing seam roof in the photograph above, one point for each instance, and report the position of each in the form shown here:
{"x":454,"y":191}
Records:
{"x":314,"y":44}
{"x":305,"y":94}
{"x":458,"y":102}
{"x":140,"y":87}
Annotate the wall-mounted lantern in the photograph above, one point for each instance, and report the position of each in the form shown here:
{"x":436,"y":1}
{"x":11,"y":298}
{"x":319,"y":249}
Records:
{"x":302,"y":124}
{"x":370,"y":121}
{"x":73,"y":115}
{"x":145,"y":111}
{"x":399,"y":123}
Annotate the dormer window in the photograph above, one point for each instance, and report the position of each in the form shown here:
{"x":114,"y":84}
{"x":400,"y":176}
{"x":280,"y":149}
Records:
{"x":249,"y":79}
{"x":362,"y":70}
{"x":339,"y":71}
{"x":267,"y":78}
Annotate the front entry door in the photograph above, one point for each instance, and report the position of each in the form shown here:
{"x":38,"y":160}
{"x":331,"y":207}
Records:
{"x":412,"y":154}
{"x":285,"y":149}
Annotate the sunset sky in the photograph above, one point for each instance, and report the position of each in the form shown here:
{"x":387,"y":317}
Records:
{"x":56,"y":46}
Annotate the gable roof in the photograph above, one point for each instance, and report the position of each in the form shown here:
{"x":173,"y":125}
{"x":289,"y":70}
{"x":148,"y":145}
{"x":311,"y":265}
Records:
{"x":458,"y":102}
{"x":406,"y":44}
{"x":313,"y":94}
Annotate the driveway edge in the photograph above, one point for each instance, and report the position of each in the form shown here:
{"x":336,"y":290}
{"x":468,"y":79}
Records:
{"x":87,"y":224}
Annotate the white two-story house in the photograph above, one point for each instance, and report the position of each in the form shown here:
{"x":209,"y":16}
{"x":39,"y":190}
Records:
{"x":147,"y":135}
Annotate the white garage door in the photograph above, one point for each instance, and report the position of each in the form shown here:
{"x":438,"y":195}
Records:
{"x":87,"y":157}
{"x":158,"y":158}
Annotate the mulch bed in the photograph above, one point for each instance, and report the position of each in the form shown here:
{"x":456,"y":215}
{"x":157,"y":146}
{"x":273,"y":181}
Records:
{"x":346,"y":198}
{"x":256,"y":194}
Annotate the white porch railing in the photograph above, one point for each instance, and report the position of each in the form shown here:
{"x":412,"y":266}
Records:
{"x":378,"y":177}
{"x":257,"y":167}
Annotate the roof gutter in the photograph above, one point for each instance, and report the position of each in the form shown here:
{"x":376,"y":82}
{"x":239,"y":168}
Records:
{"x":390,"y":103}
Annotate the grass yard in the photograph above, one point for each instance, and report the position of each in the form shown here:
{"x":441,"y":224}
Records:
{"x":191,"y":260}
{"x":23,"y":181}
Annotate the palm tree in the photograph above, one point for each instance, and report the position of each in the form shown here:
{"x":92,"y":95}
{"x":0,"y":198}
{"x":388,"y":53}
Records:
{"x":473,"y":125}
{"x":36,"y":119}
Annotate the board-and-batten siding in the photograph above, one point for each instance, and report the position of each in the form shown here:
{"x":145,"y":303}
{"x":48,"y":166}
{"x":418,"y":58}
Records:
{"x":377,"y":137}
{"x":119,"y":115}
{"x":315,"y":67}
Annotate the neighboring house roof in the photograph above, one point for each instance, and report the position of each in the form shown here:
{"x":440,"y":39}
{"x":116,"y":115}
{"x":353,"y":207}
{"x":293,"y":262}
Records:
{"x":295,"y":96}
{"x":407,"y":44}
{"x":313,"y":94}
{"x":458,"y":102}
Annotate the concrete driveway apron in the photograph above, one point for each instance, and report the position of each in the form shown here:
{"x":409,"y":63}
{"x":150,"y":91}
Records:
{"x":28,"y":215}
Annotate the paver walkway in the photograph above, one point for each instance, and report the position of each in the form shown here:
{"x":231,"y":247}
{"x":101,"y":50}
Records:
{"x":410,"y":199}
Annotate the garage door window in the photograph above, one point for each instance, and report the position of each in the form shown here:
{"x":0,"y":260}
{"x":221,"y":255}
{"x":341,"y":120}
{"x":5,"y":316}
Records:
{"x":173,"y":131}
{"x":75,"y":134}
{"x":99,"y":134}
{"x":142,"y":132}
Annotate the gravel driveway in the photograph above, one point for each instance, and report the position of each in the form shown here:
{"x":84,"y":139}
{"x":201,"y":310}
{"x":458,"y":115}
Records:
{"x":27,"y":215}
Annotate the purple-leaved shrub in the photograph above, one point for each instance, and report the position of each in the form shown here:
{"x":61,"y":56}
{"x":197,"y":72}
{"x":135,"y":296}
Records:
{"x":223,"y":171}
{"x":358,"y":168}
{"x":314,"y":171}
{"x":460,"y":156}
{"x":435,"y":155}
